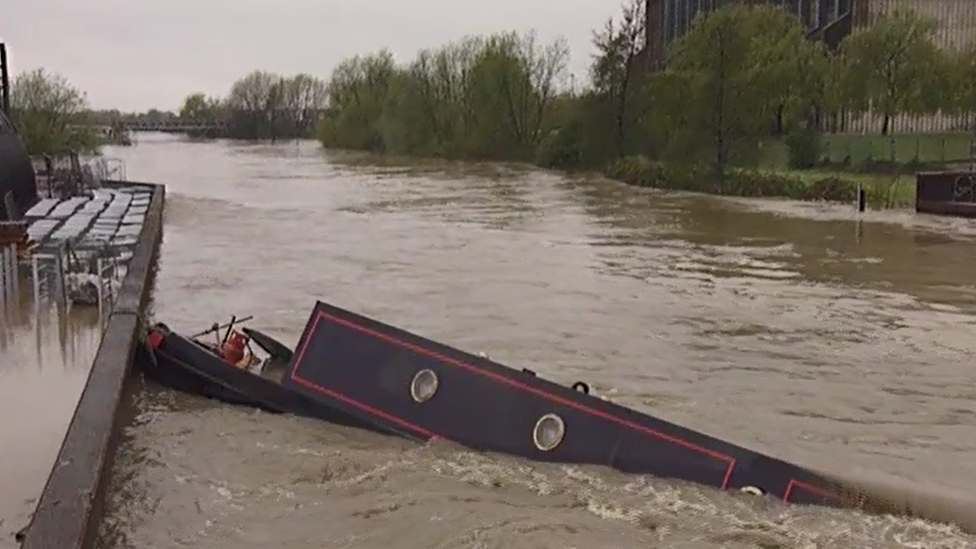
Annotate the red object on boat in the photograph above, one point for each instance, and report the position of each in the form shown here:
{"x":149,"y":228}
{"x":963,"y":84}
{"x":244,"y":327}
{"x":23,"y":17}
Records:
{"x":155,"y":338}
{"x":233,"y":349}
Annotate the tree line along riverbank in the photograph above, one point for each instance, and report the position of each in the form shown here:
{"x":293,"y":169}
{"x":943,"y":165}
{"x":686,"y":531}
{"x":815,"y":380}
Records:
{"x":738,"y":110}
{"x":741,"y":107}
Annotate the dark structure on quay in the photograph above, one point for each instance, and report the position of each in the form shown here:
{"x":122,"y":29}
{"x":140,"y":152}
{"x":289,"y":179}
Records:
{"x":826,"y":20}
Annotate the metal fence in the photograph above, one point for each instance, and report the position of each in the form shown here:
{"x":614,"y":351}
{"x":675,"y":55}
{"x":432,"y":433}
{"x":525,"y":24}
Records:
{"x":42,"y":272}
{"x":64,"y":273}
{"x":54,"y":282}
{"x":102,"y":168}
{"x":956,"y":30}
{"x":871,"y":124}
{"x":902,"y":149}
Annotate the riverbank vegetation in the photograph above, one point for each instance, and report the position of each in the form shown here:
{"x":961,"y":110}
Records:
{"x":745,"y":104}
{"x":743,"y":82}
{"x":51,"y":115}
{"x":261,"y":105}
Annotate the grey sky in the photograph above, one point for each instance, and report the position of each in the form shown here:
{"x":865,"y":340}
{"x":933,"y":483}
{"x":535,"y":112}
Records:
{"x":137,"y":54}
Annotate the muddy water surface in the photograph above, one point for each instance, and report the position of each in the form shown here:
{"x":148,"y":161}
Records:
{"x":794,"y":330}
{"x":45,"y":357}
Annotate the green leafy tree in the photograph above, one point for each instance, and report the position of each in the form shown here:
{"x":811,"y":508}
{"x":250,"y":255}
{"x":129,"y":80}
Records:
{"x":893,"y":67}
{"x":357,"y":93}
{"x":510,"y":83}
{"x":197,"y":108}
{"x":608,"y":118}
{"x":430,"y":107}
{"x":790,"y":70}
{"x":616,"y":69}
{"x":738,"y":69}
{"x":51,"y":114}
{"x":961,"y":69}
{"x":713,"y":67}
{"x":206,"y":115}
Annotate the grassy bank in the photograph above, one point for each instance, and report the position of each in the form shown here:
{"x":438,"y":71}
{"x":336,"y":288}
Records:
{"x":882,"y":191}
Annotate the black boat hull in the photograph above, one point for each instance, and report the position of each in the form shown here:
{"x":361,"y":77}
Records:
{"x":180,"y":363}
{"x":365,"y":368}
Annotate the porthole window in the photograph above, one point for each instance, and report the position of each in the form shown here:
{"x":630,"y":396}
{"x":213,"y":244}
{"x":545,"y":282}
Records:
{"x":548,"y":432}
{"x":424,"y":385}
{"x":751,"y":490}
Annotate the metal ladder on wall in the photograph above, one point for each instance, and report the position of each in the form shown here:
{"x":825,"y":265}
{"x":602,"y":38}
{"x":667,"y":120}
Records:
{"x":48,"y":278}
{"x":107,"y":270}
{"x":9,"y":277}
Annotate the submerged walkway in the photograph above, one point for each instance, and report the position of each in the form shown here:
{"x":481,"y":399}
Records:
{"x":71,"y":303}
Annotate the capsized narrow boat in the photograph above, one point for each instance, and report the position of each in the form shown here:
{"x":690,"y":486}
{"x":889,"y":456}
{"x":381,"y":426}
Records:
{"x":356,"y":371}
{"x":402,"y":381}
{"x":228,"y":369}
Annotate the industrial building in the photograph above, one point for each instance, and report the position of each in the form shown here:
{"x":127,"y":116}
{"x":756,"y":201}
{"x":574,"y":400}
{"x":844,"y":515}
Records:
{"x":669,"y":20}
{"x":957,"y":18}
{"x":830,"y":21}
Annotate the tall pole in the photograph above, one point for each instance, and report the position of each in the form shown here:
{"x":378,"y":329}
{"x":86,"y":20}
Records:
{"x":4,"y":80}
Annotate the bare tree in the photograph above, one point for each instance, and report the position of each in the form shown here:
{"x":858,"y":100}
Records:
{"x":304,"y":97}
{"x":616,"y":66}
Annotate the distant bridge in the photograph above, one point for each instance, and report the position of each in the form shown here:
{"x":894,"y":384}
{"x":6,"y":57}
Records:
{"x":175,"y":126}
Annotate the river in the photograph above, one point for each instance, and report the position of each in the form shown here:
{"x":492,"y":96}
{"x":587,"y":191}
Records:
{"x":797,"y":330}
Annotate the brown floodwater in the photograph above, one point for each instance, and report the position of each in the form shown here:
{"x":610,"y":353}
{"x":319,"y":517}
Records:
{"x":805,"y":331}
{"x":44,"y":362}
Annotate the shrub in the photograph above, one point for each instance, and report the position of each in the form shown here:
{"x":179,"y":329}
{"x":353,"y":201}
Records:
{"x":754,"y":183}
{"x":894,"y":192}
{"x":805,"y":148}
{"x":637,"y":170}
{"x":559,"y":150}
{"x":642,"y":172}
{"x":831,"y":189}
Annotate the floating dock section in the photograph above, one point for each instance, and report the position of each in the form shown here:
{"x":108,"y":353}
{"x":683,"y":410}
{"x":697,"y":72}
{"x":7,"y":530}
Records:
{"x":127,"y":219}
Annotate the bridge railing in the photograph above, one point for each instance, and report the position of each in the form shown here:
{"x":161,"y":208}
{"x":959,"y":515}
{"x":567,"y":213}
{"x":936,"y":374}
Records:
{"x":176,"y":126}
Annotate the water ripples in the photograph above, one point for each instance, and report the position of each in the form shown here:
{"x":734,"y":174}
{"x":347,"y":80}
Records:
{"x":806,"y":335}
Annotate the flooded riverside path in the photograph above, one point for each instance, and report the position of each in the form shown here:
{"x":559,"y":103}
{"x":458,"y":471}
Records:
{"x":44,"y":362}
{"x":788,"y":329}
